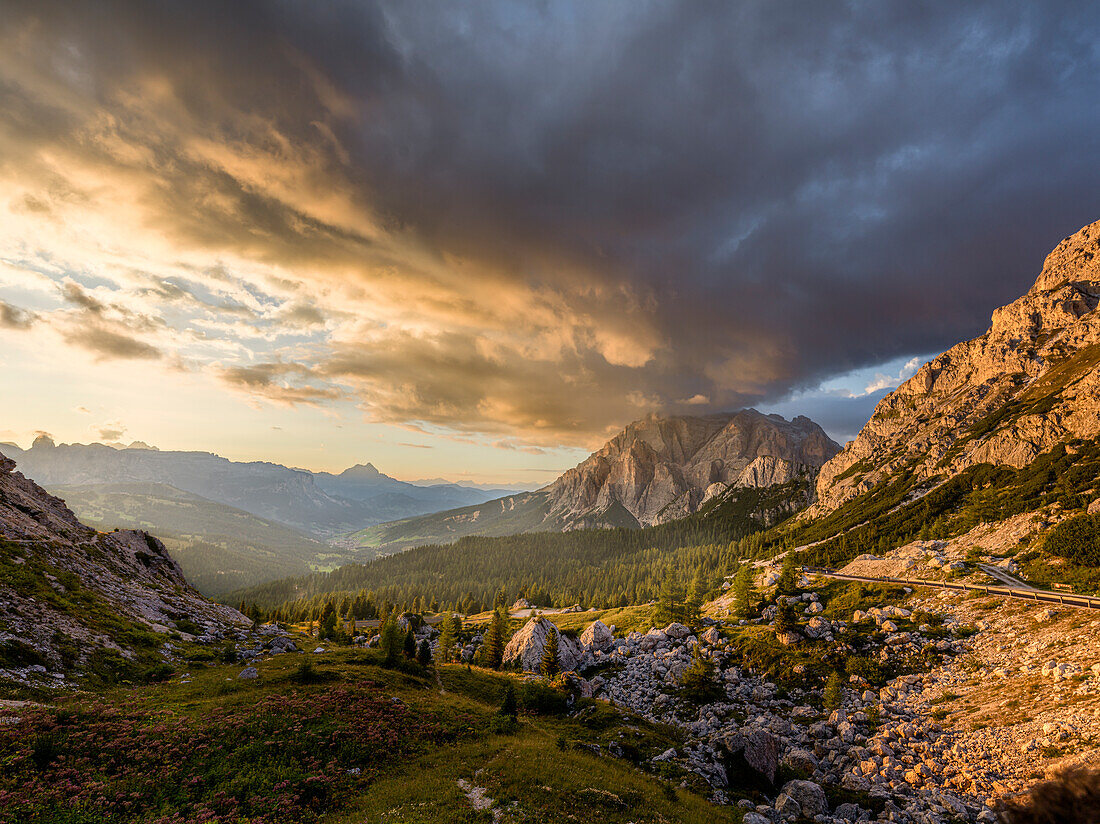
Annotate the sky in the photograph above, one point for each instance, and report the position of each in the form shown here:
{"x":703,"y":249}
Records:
{"x":473,"y":240}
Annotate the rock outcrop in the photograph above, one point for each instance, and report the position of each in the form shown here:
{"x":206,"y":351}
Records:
{"x":67,"y":591}
{"x":527,"y":645}
{"x":1026,"y":385}
{"x":659,"y":468}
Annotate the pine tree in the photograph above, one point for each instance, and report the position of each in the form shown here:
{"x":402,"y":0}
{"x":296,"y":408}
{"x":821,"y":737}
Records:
{"x":492,"y":645}
{"x":785,"y":620}
{"x":446,"y":647}
{"x":788,"y":581}
{"x":328,"y":622}
{"x":508,"y":702}
{"x":670,"y":607}
{"x":744,"y":594}
{"x":699,"y":589}
{"x":698,"y":682}
{"x":549,"y":665}
{"x":410,"y":644}
{"x":834,"y":692}
{"x":392,"y":641}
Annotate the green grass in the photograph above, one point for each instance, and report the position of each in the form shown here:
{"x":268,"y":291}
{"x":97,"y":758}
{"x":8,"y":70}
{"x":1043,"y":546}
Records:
{"x":544,"y":771}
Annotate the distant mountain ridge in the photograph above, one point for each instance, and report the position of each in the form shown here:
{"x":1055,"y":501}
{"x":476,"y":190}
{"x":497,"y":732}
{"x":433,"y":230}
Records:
{"x":321,"y":504}
{"x":655,"y":470}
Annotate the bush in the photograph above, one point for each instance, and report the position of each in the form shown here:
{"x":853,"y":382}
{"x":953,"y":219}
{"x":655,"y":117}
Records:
{"x":539,"y":698}
{"x":697,"y":683}
{"x":157,"y":673}
{"x":307,"y":674}
{"x":503,"y":724}
{"x":17,"y":654}
{"x":1077,"y":540}
{"x":869,"y":670}
{"x":1073,"y":795}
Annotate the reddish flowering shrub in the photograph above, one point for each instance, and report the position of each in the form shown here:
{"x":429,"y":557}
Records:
{"x":287,"y":758}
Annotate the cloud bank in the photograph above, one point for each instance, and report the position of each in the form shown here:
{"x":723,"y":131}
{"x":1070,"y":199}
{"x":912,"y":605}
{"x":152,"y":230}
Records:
{"x":536,"y":223}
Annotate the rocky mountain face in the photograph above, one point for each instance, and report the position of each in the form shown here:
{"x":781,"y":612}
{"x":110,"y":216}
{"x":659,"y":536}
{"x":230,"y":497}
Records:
{"x":658,"y":469}
{"x":655,"y":470}
{"x":1028,"y":384}
{"x":71,"y":597}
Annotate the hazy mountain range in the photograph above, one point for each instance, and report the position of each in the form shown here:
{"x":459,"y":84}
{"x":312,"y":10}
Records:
{"x":320,"y":504}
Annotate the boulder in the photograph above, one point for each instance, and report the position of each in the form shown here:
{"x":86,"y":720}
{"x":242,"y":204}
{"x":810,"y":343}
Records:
{"x":675,"y":630}
{"x":249,"y":673}
{"x":801,"y":760}
{"x":848,"y":812}
{"x":759,"y":750}
{"x":526,"y":646}
{"x":809,"y":797}
{"x":711,"y":636}
{"x":597,"y":637}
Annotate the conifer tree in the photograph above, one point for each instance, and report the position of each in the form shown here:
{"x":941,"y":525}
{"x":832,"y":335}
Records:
{"x":670,"y":607}
{"x":549,"y":665}
{"x":785,"y":620}
{"x":788,"y":581}
{"x":492,"y":645}
{"x":446,"y":647}
{"x":410,"y":644}
{"x":328,"y":622}
{"x":744,"y":594}
{"x":391,"y":642}
{"x":508,"y":702}
{"x":834,"y":692}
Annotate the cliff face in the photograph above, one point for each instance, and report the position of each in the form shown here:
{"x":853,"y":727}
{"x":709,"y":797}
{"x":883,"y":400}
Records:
{"x":658,"y":469}
{"x":1030,"y":382}
{"x":68,"y":592}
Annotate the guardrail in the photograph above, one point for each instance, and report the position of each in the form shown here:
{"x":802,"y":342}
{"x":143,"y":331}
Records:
{"x":1042,"y":596}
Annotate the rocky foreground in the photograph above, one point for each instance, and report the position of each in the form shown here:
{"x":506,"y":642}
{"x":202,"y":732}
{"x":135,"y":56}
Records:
{"x":1015,"y":698}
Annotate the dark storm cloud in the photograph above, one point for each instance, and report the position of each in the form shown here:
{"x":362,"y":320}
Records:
{"x":725,"y":201}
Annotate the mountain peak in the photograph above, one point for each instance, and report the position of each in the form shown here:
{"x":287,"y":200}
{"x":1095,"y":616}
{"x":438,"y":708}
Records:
{"x":367,"y":470}
{"x":660,"y":468}
{"x":43,"y":441}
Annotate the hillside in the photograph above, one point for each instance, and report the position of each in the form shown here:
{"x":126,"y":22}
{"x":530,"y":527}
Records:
{"x":219,"y":548}
{"x":75,"y":602}
{"x":995,"y":429}
{"x":1029,"y":383}
{"x":656,"y":470}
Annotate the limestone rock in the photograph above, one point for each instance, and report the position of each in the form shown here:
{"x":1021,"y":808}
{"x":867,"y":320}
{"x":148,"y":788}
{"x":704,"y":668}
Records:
{"x":597,"y":637}
{"x":758,"y":748}
{"x":249,"y":673}
{"x":526,"y":646}
{"x":808,"y":795}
